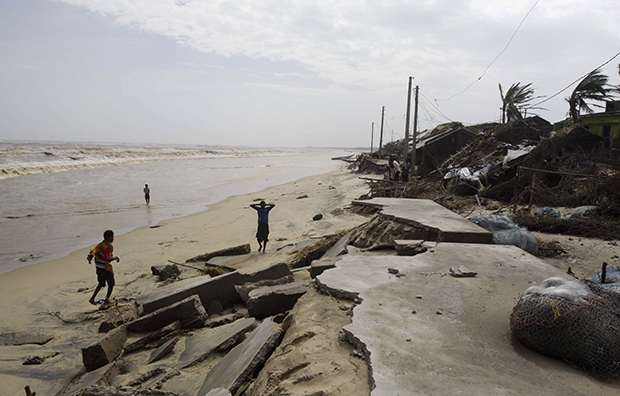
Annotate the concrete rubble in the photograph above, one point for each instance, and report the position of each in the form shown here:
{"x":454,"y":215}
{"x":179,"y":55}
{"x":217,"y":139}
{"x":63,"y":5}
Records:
{"x":221,"y":288}
{"x":182,"y":334}
{"x":187,"y":311}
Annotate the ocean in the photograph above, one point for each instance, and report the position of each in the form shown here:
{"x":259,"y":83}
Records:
{"x":59,"y":197}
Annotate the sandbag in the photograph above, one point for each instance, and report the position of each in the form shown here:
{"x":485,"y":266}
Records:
{"x":517,"y":237}
{"x":578,"y":321}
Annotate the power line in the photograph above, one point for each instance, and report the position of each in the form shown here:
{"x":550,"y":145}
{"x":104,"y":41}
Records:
{"x":577,"y":80}
{"x":436,"y":108}
{"x":500,"y":54}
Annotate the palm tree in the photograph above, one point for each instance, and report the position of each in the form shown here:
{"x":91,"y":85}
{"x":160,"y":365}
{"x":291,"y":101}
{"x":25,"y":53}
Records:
{"x":516,"y":100}
{"x":592,"y":87}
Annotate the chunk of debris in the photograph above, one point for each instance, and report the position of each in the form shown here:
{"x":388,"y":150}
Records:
{"x":170,"y":271}
{"x":462,"y":272}
{"x":339,"y":248}
{"x":231,"y":251}
{"x":205,"y":341}
{"x":105,"y":350}
{"x":272,"y":300}
{"x":163,"y":350}
{"x":318,"y":216}
{"x":142,"y":342}
{"x":100,"y":377}
{"x":221,"y":288}
{"x":317,"y":267}
{"x":409,"y":247}
{"x":232,"y":371}
{"x":245,"y":289}
{"x":186,"y":311}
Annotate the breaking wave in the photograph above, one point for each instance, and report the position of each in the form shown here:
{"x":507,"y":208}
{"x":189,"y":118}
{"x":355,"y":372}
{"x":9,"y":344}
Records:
{"x":26,"y":158}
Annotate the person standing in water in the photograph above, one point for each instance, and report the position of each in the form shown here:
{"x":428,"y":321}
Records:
{"x":103,"y":255}
{"x":147,"y":194}
{"x":262,"y":233}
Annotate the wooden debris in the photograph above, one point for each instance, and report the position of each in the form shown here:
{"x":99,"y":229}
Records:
{"x":231,"y":251}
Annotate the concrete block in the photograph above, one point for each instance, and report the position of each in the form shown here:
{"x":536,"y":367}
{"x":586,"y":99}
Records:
{"x":156,"y":335}
{"x":232,"y":371}
{"x":105,"y":350}
{"x":317,"y":267}
{"x":204,"y":341}
{"x":186,"y":311}
{"x":245,"y":289}
{"x":339,"y":247}
{"x":272,"y":300}
{"x":433,"y":221}
{"x":163,"y":350}
{"x":221,"y":288}
{"x":103,"y":376}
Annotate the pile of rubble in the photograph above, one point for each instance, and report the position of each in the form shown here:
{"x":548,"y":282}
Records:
{"x":237,"y":318}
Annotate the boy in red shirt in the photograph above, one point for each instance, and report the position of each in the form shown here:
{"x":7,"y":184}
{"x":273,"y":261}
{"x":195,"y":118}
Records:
{"x":103,"y":255}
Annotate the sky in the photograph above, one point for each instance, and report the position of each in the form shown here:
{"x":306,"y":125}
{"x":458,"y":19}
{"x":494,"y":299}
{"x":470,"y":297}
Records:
{"x":283,"y":72}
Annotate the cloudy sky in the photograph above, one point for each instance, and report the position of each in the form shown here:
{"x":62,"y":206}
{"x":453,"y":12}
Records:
{"x":284,"y":72}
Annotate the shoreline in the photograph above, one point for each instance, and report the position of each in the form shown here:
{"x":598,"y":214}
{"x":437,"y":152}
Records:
{"x":192,"y":212}
{"x":40,"y":248}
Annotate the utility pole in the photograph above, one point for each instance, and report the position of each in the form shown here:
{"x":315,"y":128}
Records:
{"x":372,"y":136}
{"x":415,"y":130}
{"x":406,"y":142}
{"x":381,"y":136}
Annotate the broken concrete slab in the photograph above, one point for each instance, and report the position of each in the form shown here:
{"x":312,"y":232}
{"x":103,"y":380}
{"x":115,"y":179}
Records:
{"x":23,"y":338}
{"x":317,"y":267}
{"x":204,"y":341}
{"x":428,"y":333}
{"x":245,"y":289}
{"x":186,"y":311}
{"x":105,"y":350}
{"x":221,"y":288}
{"x":231,"y":251}
{"x":164,"y":331}
{"x":432,"y":221}
{"x":103,"y":376}
{"x":232,"y":371}
{"x":272,"y":300}
{"x":339,"y":247}
{"x":163,"y":350}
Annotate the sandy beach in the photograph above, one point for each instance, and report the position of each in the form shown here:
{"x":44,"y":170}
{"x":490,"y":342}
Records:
{"x":37,"y":298}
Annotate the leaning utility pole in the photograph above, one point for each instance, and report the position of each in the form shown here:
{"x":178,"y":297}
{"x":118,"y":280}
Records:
{"x":381,"y":136}
{"x":406,"y":142}
{"x":372,"y":136}
{"x":415,"y":131}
